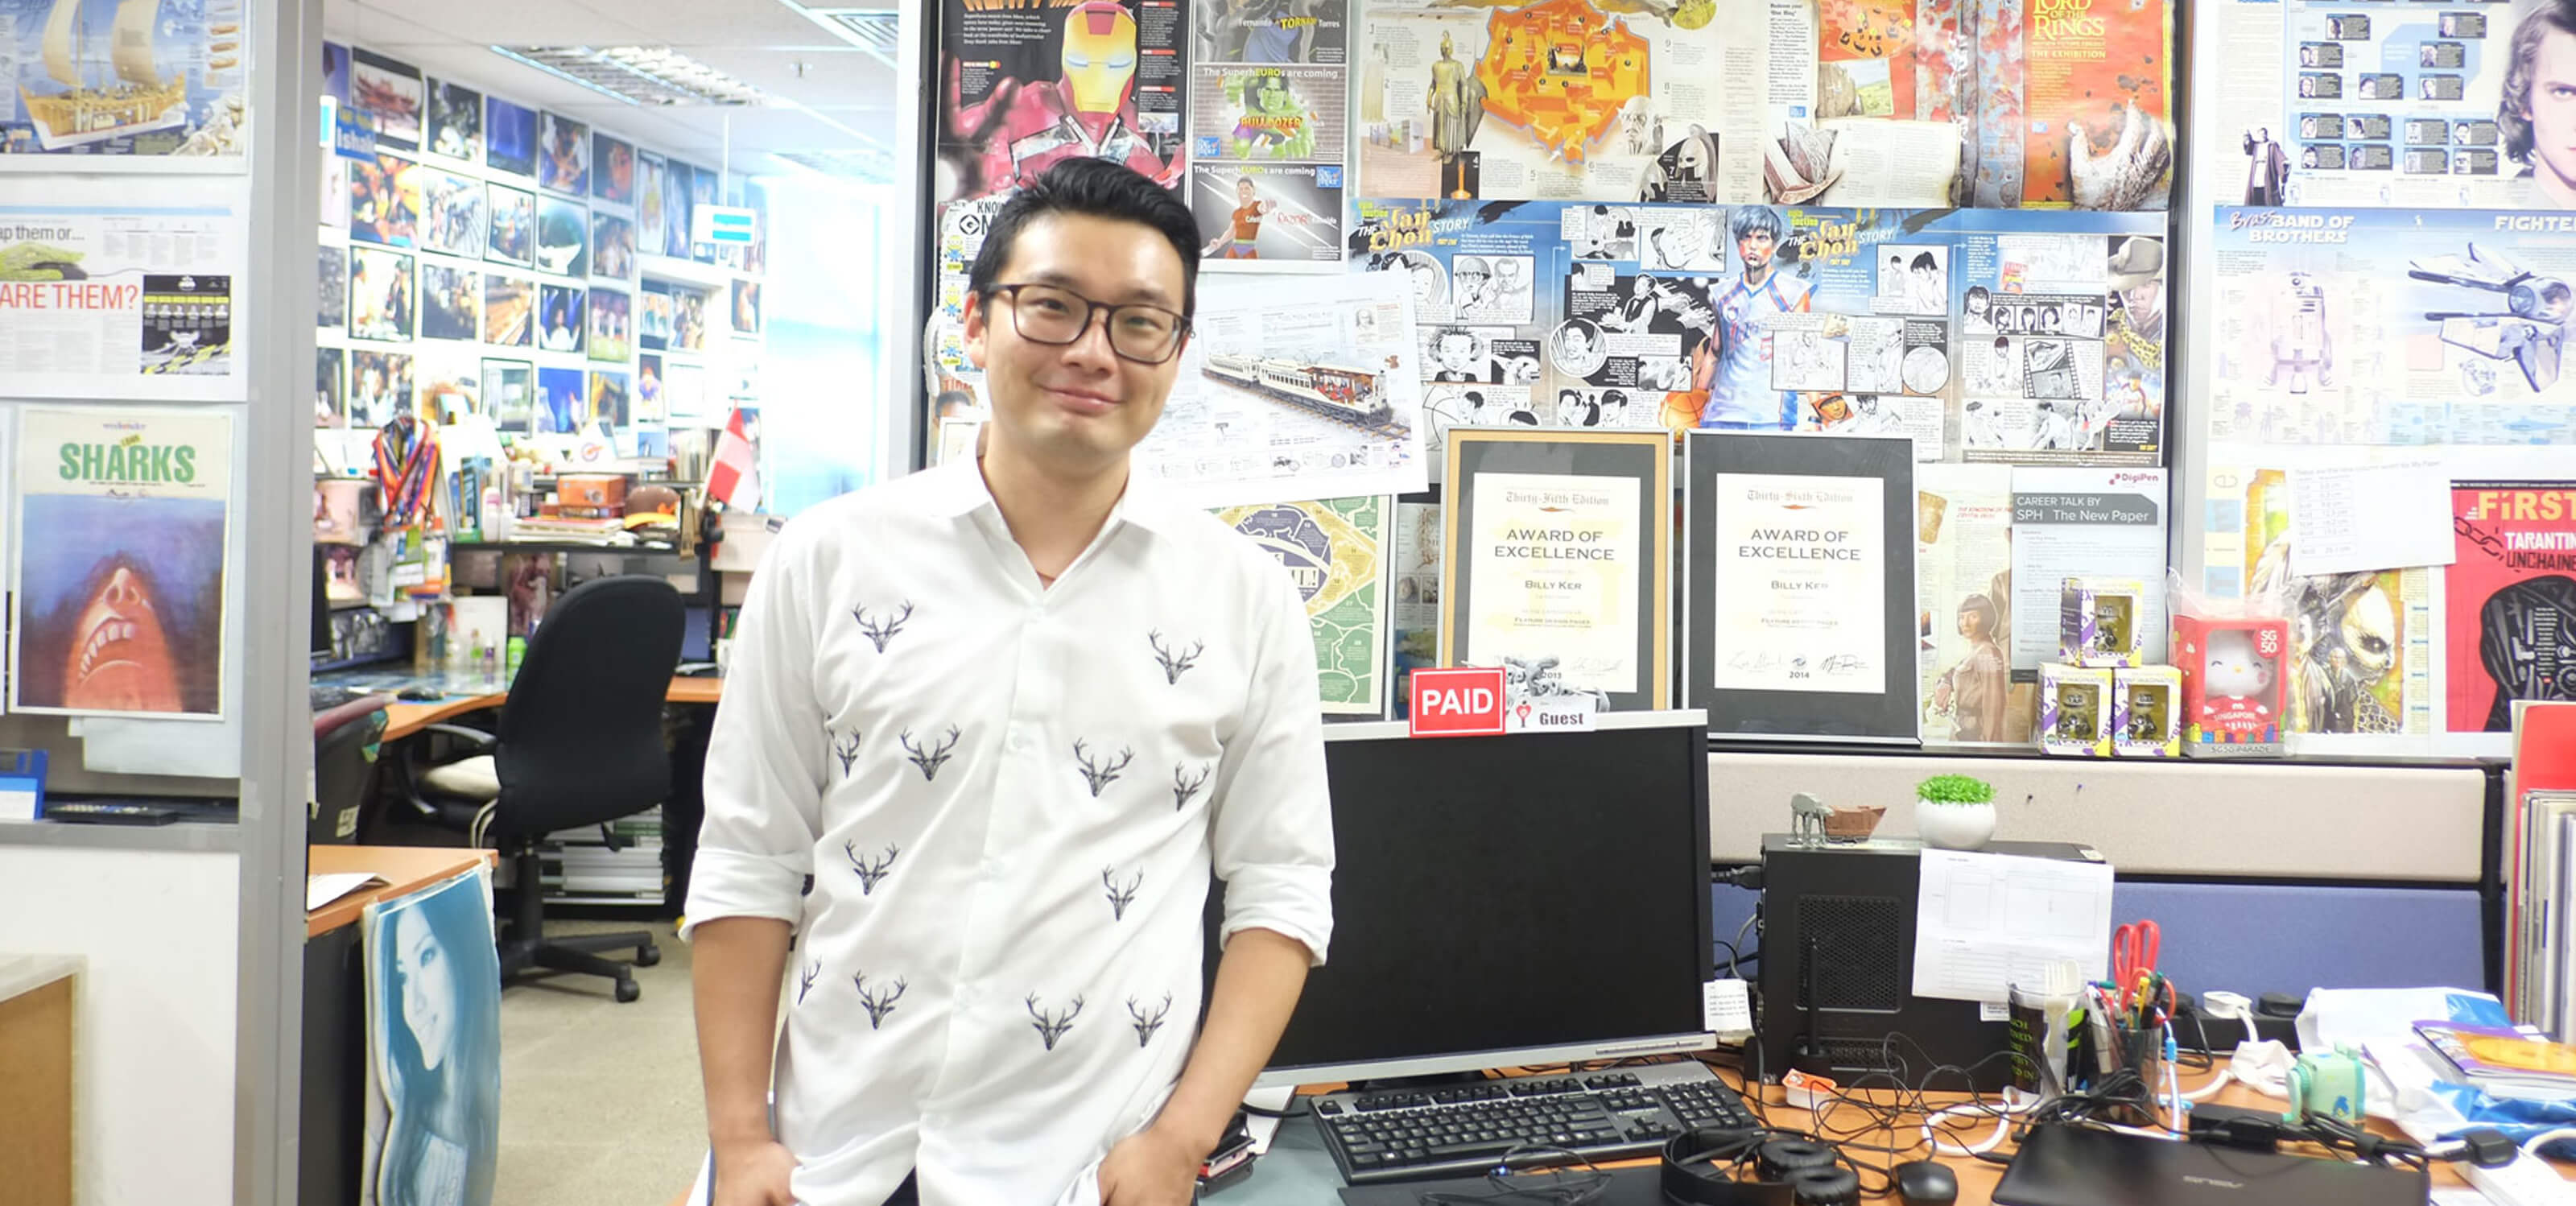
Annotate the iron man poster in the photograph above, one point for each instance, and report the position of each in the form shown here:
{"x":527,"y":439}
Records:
{"x":1026,"y":84}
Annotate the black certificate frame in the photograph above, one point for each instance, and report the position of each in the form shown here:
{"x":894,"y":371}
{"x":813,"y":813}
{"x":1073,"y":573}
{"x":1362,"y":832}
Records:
{"x":1644,"y":455}
{"x":1892,"y":717}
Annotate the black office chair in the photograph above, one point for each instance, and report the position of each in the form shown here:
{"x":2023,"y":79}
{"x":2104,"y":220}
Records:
{"x":344,"y":763}
{"x":580,"y":744}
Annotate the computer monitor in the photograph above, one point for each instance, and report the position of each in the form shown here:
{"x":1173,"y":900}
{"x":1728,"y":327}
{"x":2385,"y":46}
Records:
{"x":321,"y":605}
{"x":1509,"y":901}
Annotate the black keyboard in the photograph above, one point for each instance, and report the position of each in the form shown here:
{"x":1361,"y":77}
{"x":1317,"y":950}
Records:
{"x":324,"y":697}
{"x":1465,"y":1129}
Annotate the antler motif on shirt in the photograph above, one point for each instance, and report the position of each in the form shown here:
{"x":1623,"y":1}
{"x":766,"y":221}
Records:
{"x":1146,"y":1023}
{"x":878,"y":1003}
{"x":932,"y":759}
{"x":1174,"y":664}
{"x":1186,"y":786}
{"x":846,"y":749}
{"x":805,"y":979}
{"x":872,"y":870}
{"x":1099,"y":774}
{"x":882,"y":631}
{"x":1052,"y":1026}
{"x":1120,"y":895}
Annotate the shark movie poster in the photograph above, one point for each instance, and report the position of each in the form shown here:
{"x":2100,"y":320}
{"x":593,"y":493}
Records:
{"x":122,"y":519}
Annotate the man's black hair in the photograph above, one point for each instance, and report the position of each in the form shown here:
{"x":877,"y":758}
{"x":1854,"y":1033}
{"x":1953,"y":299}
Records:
{"x":1098,"y":188}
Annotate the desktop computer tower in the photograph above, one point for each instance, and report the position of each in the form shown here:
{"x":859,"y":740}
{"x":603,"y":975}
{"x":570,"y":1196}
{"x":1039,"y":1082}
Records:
{"x":1837,"y":925}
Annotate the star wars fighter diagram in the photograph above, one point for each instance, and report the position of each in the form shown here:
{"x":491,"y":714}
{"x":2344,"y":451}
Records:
{"x":2531,"y":331}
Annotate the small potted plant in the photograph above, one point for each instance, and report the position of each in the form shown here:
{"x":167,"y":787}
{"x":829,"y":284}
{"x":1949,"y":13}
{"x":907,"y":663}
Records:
{"x":1954,"y":812}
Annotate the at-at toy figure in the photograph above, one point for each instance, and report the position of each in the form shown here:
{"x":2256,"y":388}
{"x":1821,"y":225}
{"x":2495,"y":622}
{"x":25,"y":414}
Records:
{"x":2531,"y":331}
{"x":1808,"y":818}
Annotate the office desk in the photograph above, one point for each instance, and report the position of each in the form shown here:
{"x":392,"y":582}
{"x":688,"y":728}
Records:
{"x":335,"y":1007}
{"x":406,"y":869}
{"x":681,"y":813}
{"x":475,"y":694}
{"x":1299,"y":1172}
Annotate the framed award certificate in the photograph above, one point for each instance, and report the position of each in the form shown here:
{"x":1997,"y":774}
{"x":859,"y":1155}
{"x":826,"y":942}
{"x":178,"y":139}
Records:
{"x":1798,"y":586}
{"x":1556,"y":553}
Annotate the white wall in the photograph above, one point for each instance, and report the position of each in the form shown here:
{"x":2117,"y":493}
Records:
{"x":153,"y":1033}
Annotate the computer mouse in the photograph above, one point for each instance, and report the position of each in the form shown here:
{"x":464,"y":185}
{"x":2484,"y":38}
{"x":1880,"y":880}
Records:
{"x":1924,"y":1183}
{"x":419,"y":695}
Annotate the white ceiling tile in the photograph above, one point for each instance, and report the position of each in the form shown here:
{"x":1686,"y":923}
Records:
{"x":757,"y":41}
{"x":508,"y":22}
{"x":689,"y":24}
{"x":832,"y":79}
{"x":348,"y":21}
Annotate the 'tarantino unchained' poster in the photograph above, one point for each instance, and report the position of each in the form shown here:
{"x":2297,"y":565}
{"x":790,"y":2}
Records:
{"x":2512,"y":598}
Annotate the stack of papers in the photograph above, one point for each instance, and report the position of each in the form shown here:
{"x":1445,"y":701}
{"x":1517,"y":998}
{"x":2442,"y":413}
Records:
{"x":320,"y":890}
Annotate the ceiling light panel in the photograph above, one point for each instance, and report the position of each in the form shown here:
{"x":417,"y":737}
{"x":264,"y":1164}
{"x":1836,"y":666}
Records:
{"x":874,"y":28}
{"x":639,"y":75}
{"x":867,"y":165}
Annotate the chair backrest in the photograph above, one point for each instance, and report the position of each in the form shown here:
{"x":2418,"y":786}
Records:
{"x":342,"y":767}
{"x":581,"y":735}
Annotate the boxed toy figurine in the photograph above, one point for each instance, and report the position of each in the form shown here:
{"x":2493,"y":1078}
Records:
{"x":2146,"y":712}
{"x":2074,"y":710}
{"x":2101,"y":622}
{"x":2232,"y":684}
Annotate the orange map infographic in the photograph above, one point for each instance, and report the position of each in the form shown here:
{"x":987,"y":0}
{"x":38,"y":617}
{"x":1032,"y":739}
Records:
{"x":1563,"y":71}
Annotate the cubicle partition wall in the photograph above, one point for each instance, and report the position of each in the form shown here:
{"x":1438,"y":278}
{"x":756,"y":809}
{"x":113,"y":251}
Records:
{"x":183,"y":321}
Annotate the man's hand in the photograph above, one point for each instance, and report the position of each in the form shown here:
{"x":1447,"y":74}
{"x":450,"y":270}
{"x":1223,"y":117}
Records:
{"x":1154,"y":1167}
{"x":754,"y":1173}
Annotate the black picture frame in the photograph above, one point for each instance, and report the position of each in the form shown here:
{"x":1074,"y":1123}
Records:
{"x":1892,"y":716}
{"x":1643,"y":455}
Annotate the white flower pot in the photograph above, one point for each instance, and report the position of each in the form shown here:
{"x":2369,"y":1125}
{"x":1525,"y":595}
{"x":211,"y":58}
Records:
{"x":1954,"y":826}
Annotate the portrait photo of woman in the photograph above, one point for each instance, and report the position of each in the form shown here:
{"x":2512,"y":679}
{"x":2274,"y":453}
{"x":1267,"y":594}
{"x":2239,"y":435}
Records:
{"x":434,"y":1041}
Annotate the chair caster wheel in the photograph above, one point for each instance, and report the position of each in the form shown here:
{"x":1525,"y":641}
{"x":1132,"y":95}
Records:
{"x":647,"y":956}
{"x":627,"y":992}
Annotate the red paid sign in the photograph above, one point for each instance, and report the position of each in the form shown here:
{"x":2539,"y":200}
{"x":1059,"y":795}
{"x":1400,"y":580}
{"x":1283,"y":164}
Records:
{"x":1462,"y":701}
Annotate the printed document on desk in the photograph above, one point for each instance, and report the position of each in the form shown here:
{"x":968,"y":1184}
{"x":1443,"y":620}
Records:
{"x":1990,"y":920}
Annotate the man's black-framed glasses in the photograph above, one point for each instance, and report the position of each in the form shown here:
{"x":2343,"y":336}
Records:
{"x":1057,"y":316}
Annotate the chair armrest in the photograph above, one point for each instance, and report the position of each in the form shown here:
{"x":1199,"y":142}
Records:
{"x":475,"y":737}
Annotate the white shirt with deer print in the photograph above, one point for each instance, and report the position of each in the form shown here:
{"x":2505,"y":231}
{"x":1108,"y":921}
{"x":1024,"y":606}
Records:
{"x":1009,"y":799}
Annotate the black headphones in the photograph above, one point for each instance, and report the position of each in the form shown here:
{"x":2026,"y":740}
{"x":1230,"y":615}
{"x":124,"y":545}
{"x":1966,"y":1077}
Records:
{"x":1700,"y":1168}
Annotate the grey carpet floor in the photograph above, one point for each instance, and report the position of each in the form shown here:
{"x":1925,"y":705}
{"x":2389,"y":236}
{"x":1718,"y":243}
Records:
{"x":600,"y":1102}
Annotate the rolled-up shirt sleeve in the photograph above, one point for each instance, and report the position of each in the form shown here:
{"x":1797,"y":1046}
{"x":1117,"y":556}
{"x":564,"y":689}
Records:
{"x":1272,"y":841}
{"x":764,"y":770}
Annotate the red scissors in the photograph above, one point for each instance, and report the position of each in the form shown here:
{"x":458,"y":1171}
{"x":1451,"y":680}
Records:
{"x":2134,"y":949}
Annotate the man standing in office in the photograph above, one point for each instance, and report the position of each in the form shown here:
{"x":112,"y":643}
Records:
{"x":1005,"y":716}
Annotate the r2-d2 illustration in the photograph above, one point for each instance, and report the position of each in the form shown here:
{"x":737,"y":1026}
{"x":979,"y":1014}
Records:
{"x":2302,"y":352}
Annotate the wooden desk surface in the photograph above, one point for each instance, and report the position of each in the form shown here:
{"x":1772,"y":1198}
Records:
{"x":406,"y":869}
{"x":1977,"y":1178}
{"x":404,"y":719}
